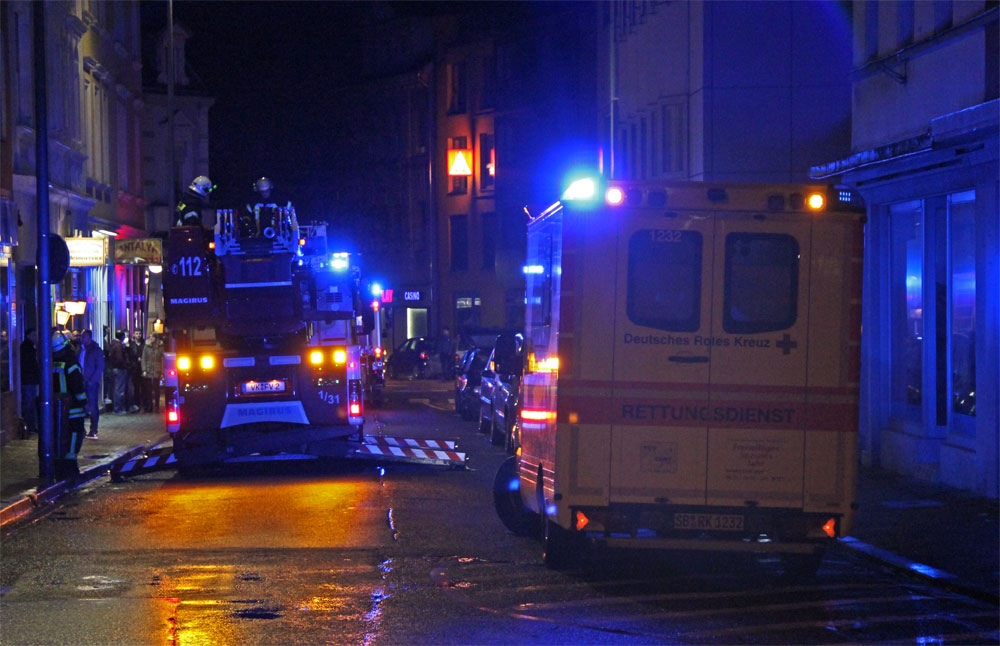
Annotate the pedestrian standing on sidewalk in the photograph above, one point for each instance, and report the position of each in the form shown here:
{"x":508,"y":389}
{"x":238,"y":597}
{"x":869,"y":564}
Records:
{"x":152,"y":372}
{"x":92,"y":364}
{"x":136,"y":382}
{"x":446,"y":354}
{"x":119,"y":368}
{"x":31,"y":378}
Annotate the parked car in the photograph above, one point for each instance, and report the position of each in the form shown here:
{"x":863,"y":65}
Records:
{"x":466,"y":341}
{"x":498,"y":389}
{"x":467,"y":382}
{"x":411,"y":360}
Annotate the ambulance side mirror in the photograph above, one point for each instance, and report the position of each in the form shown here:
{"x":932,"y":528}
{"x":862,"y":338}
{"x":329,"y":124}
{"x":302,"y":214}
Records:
{"x":506,"y":355}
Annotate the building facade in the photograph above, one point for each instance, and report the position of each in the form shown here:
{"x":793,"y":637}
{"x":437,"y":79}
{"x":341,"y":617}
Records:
{"x":94,"y":100}
{"x":515,"y":112}
{"x":925,"y":157}
{"x":190,"y":139}
{"x":723,"y":91}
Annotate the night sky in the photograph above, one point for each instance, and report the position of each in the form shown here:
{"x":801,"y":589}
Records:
{"x":273,"y":68}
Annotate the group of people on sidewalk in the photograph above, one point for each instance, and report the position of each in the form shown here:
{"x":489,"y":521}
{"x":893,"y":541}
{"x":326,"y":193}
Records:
{"x":127,"y":371}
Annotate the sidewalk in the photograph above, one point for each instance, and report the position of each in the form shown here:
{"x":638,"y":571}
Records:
{"x":119,"y":435}
{"x":950,"y":535}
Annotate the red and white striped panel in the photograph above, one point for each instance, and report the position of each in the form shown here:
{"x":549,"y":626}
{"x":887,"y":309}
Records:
{"x":407,"y":453}
{"x":386,"y":440}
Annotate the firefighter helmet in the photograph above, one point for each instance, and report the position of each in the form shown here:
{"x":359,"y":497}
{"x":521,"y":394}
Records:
{"x":201,"y":185}
{"x":60,"y":340}
{"x":263,"y":186}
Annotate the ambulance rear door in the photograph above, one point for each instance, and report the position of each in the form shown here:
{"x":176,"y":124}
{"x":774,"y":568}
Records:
{"x":759,"y":328}
{"x":662,"y":356}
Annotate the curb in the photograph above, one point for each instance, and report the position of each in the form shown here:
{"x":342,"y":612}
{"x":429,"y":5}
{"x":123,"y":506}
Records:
{"x":32,"y":502}
{"x":931,"y":574}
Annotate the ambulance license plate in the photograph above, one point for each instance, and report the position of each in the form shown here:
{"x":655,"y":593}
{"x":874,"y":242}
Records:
{"x":719,"y":522}
{"x":258,"y":387}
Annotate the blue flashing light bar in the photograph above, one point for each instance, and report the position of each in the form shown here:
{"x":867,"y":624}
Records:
{"x":340,"y":261}
{"x":581,"y":190}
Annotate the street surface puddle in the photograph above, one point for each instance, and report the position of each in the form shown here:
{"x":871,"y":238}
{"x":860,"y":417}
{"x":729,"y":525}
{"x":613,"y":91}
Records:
{"x":255,"y":613}
{"x":98,"y":583}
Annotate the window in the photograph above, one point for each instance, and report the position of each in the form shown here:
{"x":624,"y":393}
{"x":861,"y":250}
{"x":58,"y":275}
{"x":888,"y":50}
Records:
{"x":962,"y":252}
{"x":467,"y":310}
{"x":672,"y":151}
{"x":643,"y":148}
{"x":488,"y":99}
{"x":664,"y":279}
{"x":904,"y":22}
{"x":456,"y":88}
{"x":871,"y":30}
{"x":486,"y":166}
{"x":459,"y":183}
{"x":762,"y":282}
{"x":538,"y":282}
{"x":906,"y":307}
{"x":489,"y":241}
{"x":942,"y":14}
{"x":459,"y":242}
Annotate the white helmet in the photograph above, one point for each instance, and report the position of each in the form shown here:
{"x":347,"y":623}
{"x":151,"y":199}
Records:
{"x":60,"y":340}
{"x":201,"y":185}
{"x":263,"y":185}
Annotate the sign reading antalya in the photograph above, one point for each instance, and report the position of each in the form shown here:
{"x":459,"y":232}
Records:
{"x":139,"y":251}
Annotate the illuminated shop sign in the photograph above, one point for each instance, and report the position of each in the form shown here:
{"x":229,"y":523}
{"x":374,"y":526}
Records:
{"x":412,"y":295}
{"x":87,"y":252}
{"x":138,"y":251}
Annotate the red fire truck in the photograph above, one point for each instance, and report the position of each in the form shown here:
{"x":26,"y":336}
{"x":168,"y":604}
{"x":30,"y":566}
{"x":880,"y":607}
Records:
{"x":264,"y":324}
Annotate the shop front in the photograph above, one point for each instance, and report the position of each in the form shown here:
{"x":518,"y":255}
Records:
{"x":138,"y":266}
{"x":931,"y":342}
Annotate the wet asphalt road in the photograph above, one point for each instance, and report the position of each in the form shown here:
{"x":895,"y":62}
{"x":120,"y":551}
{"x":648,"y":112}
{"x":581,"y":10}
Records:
{"x":307,"y":553}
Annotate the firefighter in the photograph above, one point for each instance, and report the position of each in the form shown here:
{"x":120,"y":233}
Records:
{"x":197,"y":191}
{"x":261,"y":218}
{"x":70,"y":405}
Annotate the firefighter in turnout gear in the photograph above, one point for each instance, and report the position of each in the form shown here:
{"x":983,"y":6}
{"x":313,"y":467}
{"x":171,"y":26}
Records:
{"x":69,"y":405}
{"x":198,"y":191}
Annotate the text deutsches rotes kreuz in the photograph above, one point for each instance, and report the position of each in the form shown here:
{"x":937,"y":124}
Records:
{"x":697,"y":340}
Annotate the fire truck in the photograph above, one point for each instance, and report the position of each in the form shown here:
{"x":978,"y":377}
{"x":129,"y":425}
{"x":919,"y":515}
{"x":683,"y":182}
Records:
{"x":691,"y":370}
{"x":264,"y":326}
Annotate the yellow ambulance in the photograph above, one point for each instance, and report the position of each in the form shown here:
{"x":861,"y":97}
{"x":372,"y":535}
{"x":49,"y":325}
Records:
{"x":693,"y":358}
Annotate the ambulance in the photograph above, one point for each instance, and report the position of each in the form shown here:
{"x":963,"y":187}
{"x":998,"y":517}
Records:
{"x":691,"y":370}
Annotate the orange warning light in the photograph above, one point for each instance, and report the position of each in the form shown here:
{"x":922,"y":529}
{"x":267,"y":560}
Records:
{"x":830,"y":527}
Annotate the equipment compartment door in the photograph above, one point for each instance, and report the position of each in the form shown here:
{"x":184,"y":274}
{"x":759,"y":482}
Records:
{"x":662,"y":356}
{"x":758,"y":372}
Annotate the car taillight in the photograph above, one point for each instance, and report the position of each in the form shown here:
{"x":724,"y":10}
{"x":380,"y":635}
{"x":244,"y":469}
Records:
{"x":423,"y":355}
{"x":173,"y":417}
